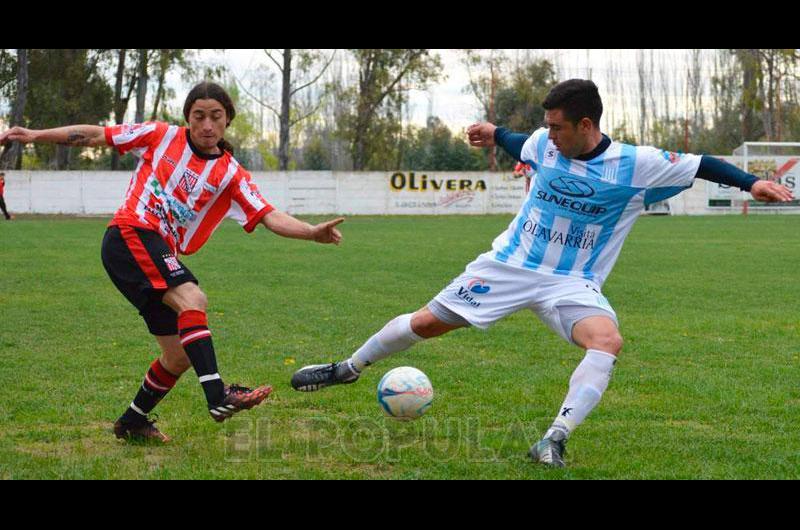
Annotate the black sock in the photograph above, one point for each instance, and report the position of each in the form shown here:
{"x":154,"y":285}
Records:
{"x":157,"y":383}
{"x":196,"y":341}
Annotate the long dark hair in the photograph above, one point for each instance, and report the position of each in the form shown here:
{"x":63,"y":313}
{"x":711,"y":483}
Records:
{"x":209,"y":90}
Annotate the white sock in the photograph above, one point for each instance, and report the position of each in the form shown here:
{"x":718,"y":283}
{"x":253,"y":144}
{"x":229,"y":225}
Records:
{"x":586,"y":387}
{"x":394,"y":337}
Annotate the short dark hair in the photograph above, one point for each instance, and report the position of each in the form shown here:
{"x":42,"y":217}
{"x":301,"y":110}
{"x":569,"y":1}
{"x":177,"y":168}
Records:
{"x":577,"y":99}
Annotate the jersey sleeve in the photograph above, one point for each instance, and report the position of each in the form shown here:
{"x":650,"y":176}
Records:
{"x":663,"y":173}
{"x":533,"y":148}
{"x":136,"y":137}
{"x":248,"y":206}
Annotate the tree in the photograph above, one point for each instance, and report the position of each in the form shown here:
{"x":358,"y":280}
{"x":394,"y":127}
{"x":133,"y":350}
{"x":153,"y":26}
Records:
{"x":370,"y":122}
{"x":434,"y":148}
{"x":131,"y":65}
{"x":120,"y":104}
{"x":485,"y":69}
{"x":296,"y":72}
{"x":12,"y":153}
{"x":164,"y":62}
{"x":748,"y":61}
{"x":8,"y":69}
{"x":519,"y":100}
{"x":66,"y":87}
{"x":243,"y":130}
{"x":141,"y":83}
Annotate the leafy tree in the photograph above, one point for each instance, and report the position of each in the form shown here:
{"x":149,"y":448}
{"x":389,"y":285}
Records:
{"x":66,"y":87}
{"x":371,"y":120}
{"x":12,"y":153}
{"x":518,"y":104}
{"x":434,"y":148}
{"x":8,"y":73}
{"x":243,"y":130}
{"x":316,"y":154}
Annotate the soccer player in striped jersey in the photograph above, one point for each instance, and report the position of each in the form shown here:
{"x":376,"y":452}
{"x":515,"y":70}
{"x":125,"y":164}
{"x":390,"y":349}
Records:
{"x":185,"y":184}
{"x":587,"y":191}
{"x":2,"y":200}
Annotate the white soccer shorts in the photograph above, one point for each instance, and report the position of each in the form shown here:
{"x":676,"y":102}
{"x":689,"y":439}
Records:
{"x":489,"y":290}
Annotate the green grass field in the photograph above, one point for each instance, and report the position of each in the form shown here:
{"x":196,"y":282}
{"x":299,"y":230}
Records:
{"x":707,"y":385}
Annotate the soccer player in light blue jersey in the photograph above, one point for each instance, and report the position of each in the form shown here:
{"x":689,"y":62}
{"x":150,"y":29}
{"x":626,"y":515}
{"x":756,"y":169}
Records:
{"x":555,"y":255}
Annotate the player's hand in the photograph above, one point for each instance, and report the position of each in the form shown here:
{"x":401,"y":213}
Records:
{"x":327,"y":233}
{"x":17,"y":134}
{"x":768,"y":191}
{"x":481,"y":134}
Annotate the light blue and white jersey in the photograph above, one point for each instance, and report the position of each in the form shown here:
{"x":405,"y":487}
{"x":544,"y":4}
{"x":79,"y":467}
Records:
{"x":578,"y":213}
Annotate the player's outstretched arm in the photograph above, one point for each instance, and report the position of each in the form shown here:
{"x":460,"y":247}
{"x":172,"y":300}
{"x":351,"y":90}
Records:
{"x":285,"y":225}
{"x":73,"y":135}
{"x":488,"y":135}
{"x":719,"y":171}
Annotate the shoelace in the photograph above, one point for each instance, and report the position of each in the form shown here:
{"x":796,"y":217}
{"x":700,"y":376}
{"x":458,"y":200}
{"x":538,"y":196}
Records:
{"x":235,"y":388}
{"x":325,"y":373}
{"x":150,"y":421}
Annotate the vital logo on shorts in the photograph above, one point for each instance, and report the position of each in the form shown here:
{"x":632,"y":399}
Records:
{"x":478,"y":286}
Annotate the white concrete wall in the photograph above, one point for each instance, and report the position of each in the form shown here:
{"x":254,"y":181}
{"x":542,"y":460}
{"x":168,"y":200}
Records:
{"x":314,"y":192}
{"x":297,"y":192}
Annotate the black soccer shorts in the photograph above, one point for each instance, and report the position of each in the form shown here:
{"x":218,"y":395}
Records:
{"x":142,"y":267}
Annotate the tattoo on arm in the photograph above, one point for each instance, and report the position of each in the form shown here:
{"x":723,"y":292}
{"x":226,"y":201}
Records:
{"x":76,"y":138}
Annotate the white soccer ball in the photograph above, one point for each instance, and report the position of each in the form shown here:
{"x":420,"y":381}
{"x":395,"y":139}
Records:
{"x":405,"y":393}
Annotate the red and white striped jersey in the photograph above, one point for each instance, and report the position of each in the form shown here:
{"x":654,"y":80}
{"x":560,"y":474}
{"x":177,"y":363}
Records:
{"x":182,"y":194}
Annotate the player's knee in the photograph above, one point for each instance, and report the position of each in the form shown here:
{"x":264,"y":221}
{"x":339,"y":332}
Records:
{"x":425,"y":325}
{"x":608,"y":341}
{"x":200,"y":300}
{"x":186,"y":297}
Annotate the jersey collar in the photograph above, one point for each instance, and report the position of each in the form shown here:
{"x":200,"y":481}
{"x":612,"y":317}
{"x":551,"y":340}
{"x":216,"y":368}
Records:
{"x":601,"y":147}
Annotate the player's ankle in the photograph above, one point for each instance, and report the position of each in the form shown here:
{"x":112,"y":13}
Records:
{"x":355,"y":366}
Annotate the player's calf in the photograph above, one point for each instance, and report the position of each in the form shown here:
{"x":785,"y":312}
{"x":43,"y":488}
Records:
{"x":134,"y":422}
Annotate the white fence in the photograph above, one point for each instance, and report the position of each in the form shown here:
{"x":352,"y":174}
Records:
{"x":314,"y":192}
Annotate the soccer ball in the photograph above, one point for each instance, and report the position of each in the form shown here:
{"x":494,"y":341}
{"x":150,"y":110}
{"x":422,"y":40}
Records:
{"x":405,"y":393}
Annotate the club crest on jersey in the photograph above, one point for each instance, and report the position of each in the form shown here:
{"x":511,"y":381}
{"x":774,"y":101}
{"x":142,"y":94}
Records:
{"x":129,"y":132}
{"x":172,"y":263}
{"x":188,"y":180}
{"x":672,"y":158}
